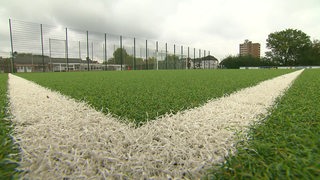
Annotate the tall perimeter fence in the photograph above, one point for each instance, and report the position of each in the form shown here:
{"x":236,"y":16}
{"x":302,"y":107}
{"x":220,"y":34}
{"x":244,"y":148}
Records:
{"x":44,"y":48}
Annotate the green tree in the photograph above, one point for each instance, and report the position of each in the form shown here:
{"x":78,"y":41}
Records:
{"x":234,"y":62}
{"x":171,"y":61}
{"x":316,"y":45}
{"x":5,"y":64}
{"x":286,"y":46}
{"x":128,"y":60}
{"x":119,"y":56}
{"x":310,"y":56}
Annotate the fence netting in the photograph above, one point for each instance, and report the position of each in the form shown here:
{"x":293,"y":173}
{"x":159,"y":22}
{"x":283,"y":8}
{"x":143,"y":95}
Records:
{"x":39,"y":47}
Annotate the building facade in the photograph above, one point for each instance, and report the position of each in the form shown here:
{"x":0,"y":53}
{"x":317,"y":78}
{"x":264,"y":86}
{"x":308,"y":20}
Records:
{"x":249,"y":48}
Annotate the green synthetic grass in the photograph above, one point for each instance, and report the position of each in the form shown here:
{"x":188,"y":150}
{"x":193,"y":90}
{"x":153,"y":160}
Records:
{"x":286,"y":145}
{"x":8,"y":150}
{"x":143,"y":95}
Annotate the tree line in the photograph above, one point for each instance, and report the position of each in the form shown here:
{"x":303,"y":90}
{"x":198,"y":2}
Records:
{"x":290,"y":47}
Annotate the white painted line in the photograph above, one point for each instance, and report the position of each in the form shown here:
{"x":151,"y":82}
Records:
{"x":60,"y":137}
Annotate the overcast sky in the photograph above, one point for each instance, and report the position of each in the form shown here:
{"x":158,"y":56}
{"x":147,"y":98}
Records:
{"x":215,"y":25}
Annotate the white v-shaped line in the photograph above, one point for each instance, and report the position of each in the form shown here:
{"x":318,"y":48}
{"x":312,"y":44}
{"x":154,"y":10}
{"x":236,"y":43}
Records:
{"x":60,"y":137}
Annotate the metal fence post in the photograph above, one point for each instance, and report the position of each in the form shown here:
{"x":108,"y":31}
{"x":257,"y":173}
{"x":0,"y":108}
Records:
{"x":79,"y":51}
{"x":92,"y":51}
{"x":194,"y":58}
{"x":187,"y":61}
{"x":50,"y":54}
{"x":43,"y":67}
{"x":166,"y":55}
{"x":105,"y":51}
{"x":121,"y":52}
{"x":204,"y":60}
{"x":134,"y":54}
{"x":157,"y":51}
{"x":67,"y":55}
{"x":199,"y":64}
{"x":209,"y":59}
{"x":181,"y":56}
{"x":88,"y":59}
{"x":174,"y":56}
{"x":12,"y":55}
{"x":147,"y":54}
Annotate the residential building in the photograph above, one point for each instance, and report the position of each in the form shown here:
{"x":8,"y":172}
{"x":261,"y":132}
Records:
{"x":207,"y":62}
{"x":249,"y":48}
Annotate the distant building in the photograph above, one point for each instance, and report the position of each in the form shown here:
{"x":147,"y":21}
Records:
{"x":249,"y":48}
{"x":26,"y":62}
{"x":207,"y":62}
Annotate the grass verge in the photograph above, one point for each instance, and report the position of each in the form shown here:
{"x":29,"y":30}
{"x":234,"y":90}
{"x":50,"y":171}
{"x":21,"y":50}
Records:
{"x":286,"y":145}
{"x":143,"y":95}
{"x":8,"y":150}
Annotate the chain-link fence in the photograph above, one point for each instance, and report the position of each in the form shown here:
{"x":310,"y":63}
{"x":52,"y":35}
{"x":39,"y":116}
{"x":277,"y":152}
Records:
{"x":39,"y":47}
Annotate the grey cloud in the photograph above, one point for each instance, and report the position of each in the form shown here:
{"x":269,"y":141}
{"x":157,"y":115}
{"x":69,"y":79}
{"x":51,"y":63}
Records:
{"x":218,"y":25}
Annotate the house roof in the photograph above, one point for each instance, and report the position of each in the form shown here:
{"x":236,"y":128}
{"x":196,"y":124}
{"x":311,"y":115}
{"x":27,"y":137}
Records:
{"x":209,"y":57}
